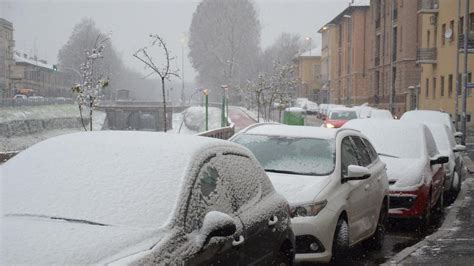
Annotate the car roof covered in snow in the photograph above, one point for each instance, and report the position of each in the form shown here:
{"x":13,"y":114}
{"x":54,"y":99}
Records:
{"x":111,"y":177}
{"x":291,"y":131}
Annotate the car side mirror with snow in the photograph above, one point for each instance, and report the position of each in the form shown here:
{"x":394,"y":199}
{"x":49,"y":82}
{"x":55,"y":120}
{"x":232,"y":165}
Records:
{"x":217,"y":224}
{"x":459,"y":148}
{"x":439,"y":160}
{"x":356,"y":172}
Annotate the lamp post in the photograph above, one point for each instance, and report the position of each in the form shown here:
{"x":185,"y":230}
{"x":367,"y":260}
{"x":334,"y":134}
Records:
{"x":224,"y":101}
{"x":206,"y":97}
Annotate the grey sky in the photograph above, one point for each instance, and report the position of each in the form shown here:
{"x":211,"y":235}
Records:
{"x":47,"y":25}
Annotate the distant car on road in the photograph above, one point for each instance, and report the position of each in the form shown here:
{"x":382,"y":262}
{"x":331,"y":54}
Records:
{"x":141,"y":198}
{"x":338,"y":117}
{"x":414,"y":166}
{"x":334,"y":180}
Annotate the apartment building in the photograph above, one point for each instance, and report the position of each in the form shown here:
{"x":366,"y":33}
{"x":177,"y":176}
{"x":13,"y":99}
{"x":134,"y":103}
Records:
{"x":441,"y":40}
{"x":308,"y":68}
{"x":7,"y":45}
{"x":328,"y":64}
{"x":393,"y":48}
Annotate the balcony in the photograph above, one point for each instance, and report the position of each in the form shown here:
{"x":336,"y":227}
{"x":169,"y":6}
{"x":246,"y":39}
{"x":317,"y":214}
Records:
{"x":470,"y":43}
{"x":428,"y":6}
{"x":426,"y":56}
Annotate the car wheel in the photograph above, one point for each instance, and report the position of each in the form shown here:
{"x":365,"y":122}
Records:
{"x":375,"y":242}
{"x":340,"y":244}
{"x":454,"y":189}
{"x":425,"y":221}
{"x":439,"y":206}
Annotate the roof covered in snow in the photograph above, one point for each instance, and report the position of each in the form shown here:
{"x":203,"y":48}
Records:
{"x":19,"y":58}
{"x":311,"y":53}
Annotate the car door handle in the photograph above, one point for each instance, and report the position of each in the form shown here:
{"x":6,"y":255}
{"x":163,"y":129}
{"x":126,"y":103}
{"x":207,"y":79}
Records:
{"x":366,"y":187}
{"x":238,"y":242}
{"x":273,"y":221}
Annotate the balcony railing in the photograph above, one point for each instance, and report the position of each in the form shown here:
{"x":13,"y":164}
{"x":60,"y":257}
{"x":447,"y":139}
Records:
{"x":426,"y":56}
{"x":428,"y":6}
{"x":470,"y":42}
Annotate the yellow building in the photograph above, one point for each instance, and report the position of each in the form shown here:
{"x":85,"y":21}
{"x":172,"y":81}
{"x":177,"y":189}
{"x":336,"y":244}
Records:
{"x":328,"y":62}
{"x":441,"y":35}
{"x":308,"y":68}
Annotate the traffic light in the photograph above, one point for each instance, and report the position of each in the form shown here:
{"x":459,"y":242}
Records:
{"x":55,"y":67}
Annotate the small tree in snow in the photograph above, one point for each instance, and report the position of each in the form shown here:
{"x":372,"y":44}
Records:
{"x":164,"y":70}
{"x":92,"y":82}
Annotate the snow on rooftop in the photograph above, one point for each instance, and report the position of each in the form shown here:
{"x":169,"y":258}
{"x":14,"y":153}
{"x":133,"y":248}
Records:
{"x":312,"y":52}
{"x":22,"y":59}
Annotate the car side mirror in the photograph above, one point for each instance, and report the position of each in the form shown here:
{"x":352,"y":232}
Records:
{"x":217,"y":224}
{"x":457,"y":134}
{"x":356,"y":172}
{"x":459,"y":148}
{"x":439,"y":160}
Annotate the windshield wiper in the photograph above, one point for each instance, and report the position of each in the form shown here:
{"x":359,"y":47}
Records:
{"x":59,"y":218}
{"x":285,"y":172}
{"x":388,"y":155}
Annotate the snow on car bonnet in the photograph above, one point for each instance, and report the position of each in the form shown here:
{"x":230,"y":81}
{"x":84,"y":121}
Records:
{"x":117,"y":178}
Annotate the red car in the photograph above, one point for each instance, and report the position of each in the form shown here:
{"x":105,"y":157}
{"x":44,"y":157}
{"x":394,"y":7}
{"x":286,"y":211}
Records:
{"x":338,"y":117}
{"x":414,"y":166}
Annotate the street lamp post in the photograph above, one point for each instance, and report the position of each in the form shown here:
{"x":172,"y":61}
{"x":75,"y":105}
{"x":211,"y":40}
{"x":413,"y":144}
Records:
{"x":224,"y":103}
{"x":206,"y":97}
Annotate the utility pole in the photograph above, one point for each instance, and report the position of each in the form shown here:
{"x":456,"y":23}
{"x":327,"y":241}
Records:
{"x":464,"y":91}
{"x":458,"y":82}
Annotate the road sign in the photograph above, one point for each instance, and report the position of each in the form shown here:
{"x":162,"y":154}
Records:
{"x":470,"y":86}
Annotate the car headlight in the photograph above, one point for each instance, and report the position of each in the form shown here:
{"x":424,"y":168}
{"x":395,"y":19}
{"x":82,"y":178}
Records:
{"x":329,"y":125}
{"x":308,"y":209}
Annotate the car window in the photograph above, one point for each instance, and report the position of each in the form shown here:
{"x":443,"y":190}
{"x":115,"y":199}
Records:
{"x":343,"y":115}
{"x":362,"y":151}
{"x":225,"y":183}
{"x":430,"y":143}
{"x":373,"y":154}
{"x":348,"y":155}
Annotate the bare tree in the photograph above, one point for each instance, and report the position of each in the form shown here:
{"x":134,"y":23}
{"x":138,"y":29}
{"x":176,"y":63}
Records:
{"x":88,"y":91}
{"x":163,"y":70}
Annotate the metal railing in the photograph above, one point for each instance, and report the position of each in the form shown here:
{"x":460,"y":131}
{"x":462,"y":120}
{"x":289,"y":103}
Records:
{"x":470,"y":41}
{"x":219,"y":133}
{"x":430,"y":6}
{"x":9,"y":102}
{"x":426,"y":56}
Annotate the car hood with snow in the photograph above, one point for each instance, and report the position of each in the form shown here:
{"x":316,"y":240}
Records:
{"x":298,"y":188}
{"x":45,"y":241}
{"x":403,"y":172}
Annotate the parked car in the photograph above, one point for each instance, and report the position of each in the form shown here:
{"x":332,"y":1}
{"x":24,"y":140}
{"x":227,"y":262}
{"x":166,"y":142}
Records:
{"x":338,"y":117}
{"x":380,"y":114}
{"x":141,"y":198}
{"x":312,"y":108}
{"x":334,"y":181}
{"x":430,"y":116}
{"x":414,"y":166}
{"x":447,"y":146}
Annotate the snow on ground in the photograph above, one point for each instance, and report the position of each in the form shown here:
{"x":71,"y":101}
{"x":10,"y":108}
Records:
{"x":8,"y":114}
{"x":195,"y":118}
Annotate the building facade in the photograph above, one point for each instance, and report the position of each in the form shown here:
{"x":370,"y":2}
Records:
{"x":7,"y":46}
{"x":348,"y":45}
{"x":393,"y":42}
{"x":32,"y":76}
{"x":308,"y":70}
{"x":441,"y":40}
{"x":328,"y":36}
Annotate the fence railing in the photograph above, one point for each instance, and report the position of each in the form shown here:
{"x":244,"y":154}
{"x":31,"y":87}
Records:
{"x":426,"y":55}
{"x":219,"y":133}
{"x":9,"y":102}
{"x":428,"y":5}
{"x":470,"y":41}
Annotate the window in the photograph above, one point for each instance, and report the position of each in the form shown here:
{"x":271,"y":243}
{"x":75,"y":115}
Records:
{"x":453,"y":32}
{"x":348,"y":155}
{"x":471,"y":22}
{"x":428,"y":39}
{"x":461,"y":25}
{"x":362,"y":152}
{"x":434,"y":88}
{"x":427,"y":86}
{"x":430,"y":144}
{"x":373,"y":154}
{"x":441,"y":94}
{"x":443,"y":33}
{"x":450,"y":85}
{"x":316,"y":71}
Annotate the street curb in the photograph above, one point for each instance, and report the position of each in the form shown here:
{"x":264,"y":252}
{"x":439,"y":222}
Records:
{"x":443,"y":230}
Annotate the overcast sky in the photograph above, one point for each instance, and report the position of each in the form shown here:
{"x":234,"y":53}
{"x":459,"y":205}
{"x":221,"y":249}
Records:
{"x":43,"y":26}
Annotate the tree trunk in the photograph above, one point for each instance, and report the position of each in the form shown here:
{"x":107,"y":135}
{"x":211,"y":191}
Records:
{"x":164,"y":104}
{"x":90,"y":115}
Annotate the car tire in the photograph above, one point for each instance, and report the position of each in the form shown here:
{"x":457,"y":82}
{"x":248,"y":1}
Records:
{"x":438,"y":208}
{"x":375,"y":242}
{"x":340,"y":244}
{"x":425,"y":220}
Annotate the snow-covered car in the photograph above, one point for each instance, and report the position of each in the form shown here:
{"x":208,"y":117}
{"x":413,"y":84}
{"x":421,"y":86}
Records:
{"x":380,"y":114}
{"x":20,"y":97}
{"x":338,"y":117}
{"x":447,"y":146}
{"x":141,"y":198}
{"x":430,"y":116}
{"x":334,"y":181}
{"x":414,"y":165}
{"x":312,"y":108}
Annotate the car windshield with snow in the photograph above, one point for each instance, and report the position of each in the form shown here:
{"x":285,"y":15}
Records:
{"x":137,"y":197}
{"x":334,"y":181}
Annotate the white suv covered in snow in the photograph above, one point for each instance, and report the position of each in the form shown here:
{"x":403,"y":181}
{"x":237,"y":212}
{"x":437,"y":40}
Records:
{"x":334,"y":181}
